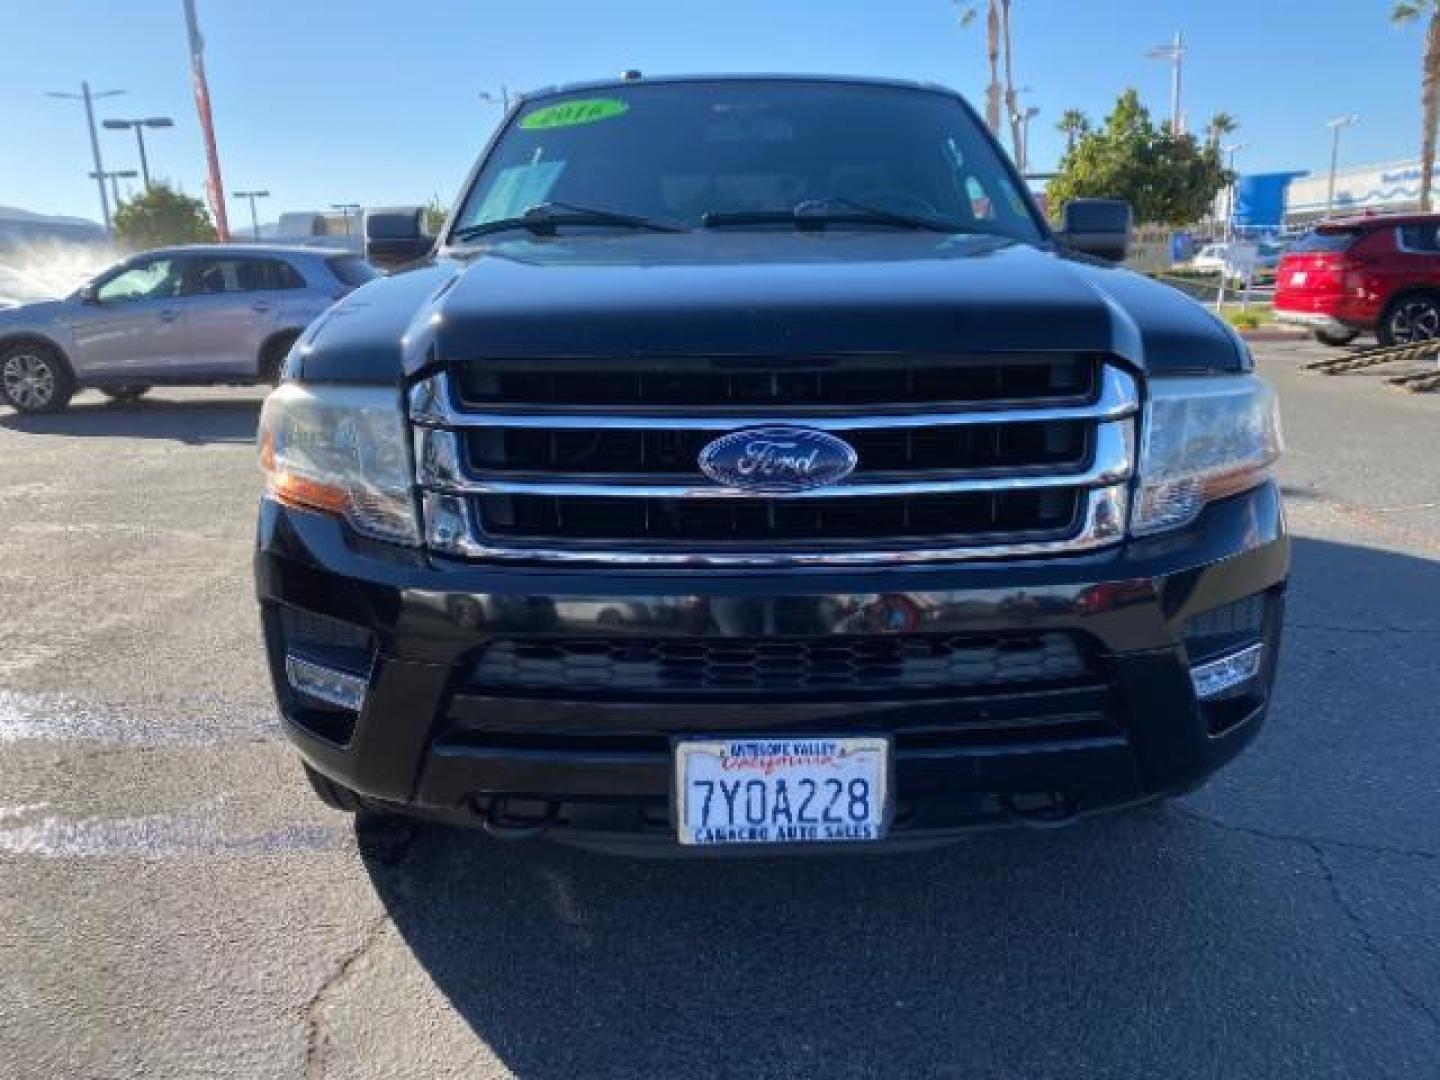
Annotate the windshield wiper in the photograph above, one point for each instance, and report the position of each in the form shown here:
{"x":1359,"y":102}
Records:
{"x":544,"y":218}
{"x":818,"y":213}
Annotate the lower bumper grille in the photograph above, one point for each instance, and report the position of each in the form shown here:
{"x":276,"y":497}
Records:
{"x":832,"y":665}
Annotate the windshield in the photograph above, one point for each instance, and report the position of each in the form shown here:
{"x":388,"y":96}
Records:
{"x":675,"y":152}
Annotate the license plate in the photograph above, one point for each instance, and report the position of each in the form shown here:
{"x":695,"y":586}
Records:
{"x":1298,"y":277}
{"x":782,"y":791}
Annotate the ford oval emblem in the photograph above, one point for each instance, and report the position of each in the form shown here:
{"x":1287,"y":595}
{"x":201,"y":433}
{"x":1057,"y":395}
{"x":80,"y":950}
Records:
{"x":775,"y":460}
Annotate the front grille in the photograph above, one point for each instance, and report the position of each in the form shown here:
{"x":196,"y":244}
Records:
{"x":598,"y":460}
{"x":831,"y":665}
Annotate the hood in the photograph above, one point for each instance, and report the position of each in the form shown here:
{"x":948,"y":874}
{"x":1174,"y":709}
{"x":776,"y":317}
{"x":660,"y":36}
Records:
{"x":756,"y":293}
{"x":26,"y":312}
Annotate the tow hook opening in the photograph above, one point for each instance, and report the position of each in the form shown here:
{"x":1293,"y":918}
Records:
{"x":516,"y":818}
{"x":1041,"y":809}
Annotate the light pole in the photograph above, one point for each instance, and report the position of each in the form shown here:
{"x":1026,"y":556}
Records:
{"x":140,"y":124}
{"x":114,"y":177}
{"x":87,"y":97}
{"x":1024,"y":117}
{"x":502,"y":98}
{"x":1230,"y":152}
{"x":1335,"y":126}
{"x":254,"y":218}
{"x":1175,"y":53}
{"x":346,"y":209}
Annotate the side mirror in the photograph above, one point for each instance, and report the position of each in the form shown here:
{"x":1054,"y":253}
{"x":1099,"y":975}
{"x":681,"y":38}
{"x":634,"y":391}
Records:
{"x":89,"y":294}
{"x":394,"y":236}
{"x":1099,"y":227}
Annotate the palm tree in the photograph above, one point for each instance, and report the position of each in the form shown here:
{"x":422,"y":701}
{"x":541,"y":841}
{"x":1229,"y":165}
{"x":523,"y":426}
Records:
{"x":1220,"y":125}
{"x":1072,"y":124}
{"x":968,"y":14}
{"x":1409,"y":11}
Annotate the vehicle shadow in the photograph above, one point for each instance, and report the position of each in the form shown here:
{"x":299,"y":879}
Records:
{"x":1159,"y":942}
{"x":196,"y":422}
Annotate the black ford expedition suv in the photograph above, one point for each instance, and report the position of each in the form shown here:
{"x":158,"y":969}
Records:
{"x":748,"y":463}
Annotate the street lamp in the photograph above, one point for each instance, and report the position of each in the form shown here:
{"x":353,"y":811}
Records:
{"x":123,"y":174}
{"x":1023,"y":118}
{"x":87,"y":97}
{"x":1336,"y":126}
{"x":346,"y":209}
{"x":1175,"y":53}
{"x":254,"y":218}
{"x":502,"y":98}
{"x":140,"y":124}
{"x":1230,"y":152}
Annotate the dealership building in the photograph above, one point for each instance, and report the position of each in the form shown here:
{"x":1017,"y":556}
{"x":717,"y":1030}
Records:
{"x":1270,"y":202}
{"x":1391,"y":188}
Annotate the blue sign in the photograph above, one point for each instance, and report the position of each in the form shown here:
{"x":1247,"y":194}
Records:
{"x":776,"y":460}
{"x":1259,"y":201}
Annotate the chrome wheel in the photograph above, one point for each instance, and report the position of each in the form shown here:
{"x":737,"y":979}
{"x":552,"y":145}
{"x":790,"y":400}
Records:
{"x":1415,"y":320}
{"x":29,"y":380}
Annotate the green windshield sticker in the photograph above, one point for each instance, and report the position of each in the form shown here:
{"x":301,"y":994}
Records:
{"x":570,"y":113}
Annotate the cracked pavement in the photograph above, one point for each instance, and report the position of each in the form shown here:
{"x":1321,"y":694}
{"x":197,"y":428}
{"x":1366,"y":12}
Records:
{"x":179,"y":905}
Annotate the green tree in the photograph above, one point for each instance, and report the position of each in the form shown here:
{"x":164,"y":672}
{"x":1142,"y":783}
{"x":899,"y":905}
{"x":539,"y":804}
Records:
{"x":162,"y":216}
{"x":1169,"y":178}
{"x":1413,"y":11}
{"x":1072,"y":124}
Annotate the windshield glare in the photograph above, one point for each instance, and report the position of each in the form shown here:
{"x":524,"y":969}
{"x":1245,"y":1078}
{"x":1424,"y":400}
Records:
{"x":677,"y":151}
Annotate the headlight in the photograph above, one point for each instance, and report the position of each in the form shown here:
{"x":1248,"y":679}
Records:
{"x":1204,"y":438}
{"x":343,"y":450}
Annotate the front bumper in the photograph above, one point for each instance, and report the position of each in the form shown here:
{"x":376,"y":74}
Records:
{"x":598,"y":766}
{"x":1312,"y":320}
{"x":1332,"y":315}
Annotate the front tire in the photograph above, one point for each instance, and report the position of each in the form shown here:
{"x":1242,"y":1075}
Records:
{"x":1410,"y":320}
{"x":272,"y":357}
{"x":1335,"y":341}
{"x":35,"y":379}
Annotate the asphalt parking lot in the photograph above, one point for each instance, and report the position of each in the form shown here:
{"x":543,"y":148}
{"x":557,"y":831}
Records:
{"x":177,"y":904}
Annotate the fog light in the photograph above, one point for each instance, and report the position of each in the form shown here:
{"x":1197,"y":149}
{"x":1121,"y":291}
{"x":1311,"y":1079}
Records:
{"x":325,"y":684}
{"x":1217,"y":676}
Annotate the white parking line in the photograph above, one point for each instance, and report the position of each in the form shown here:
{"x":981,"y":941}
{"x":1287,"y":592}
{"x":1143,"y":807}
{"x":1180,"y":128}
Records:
{"x":196,"y":830}
{"x":183,"y":721}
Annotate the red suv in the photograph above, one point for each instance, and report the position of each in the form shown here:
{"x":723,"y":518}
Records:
{"x":1375,"y":273}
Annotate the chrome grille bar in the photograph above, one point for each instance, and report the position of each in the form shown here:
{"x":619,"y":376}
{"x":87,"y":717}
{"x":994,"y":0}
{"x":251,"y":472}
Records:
{"x":432,"y":405}
{"x":440,"y":466}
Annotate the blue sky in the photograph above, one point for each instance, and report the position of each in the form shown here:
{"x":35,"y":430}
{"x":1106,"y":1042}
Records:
{"x":325,"y":102}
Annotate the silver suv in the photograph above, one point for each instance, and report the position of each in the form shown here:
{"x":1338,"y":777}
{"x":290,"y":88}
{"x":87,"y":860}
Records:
{"x":185,"y":315}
